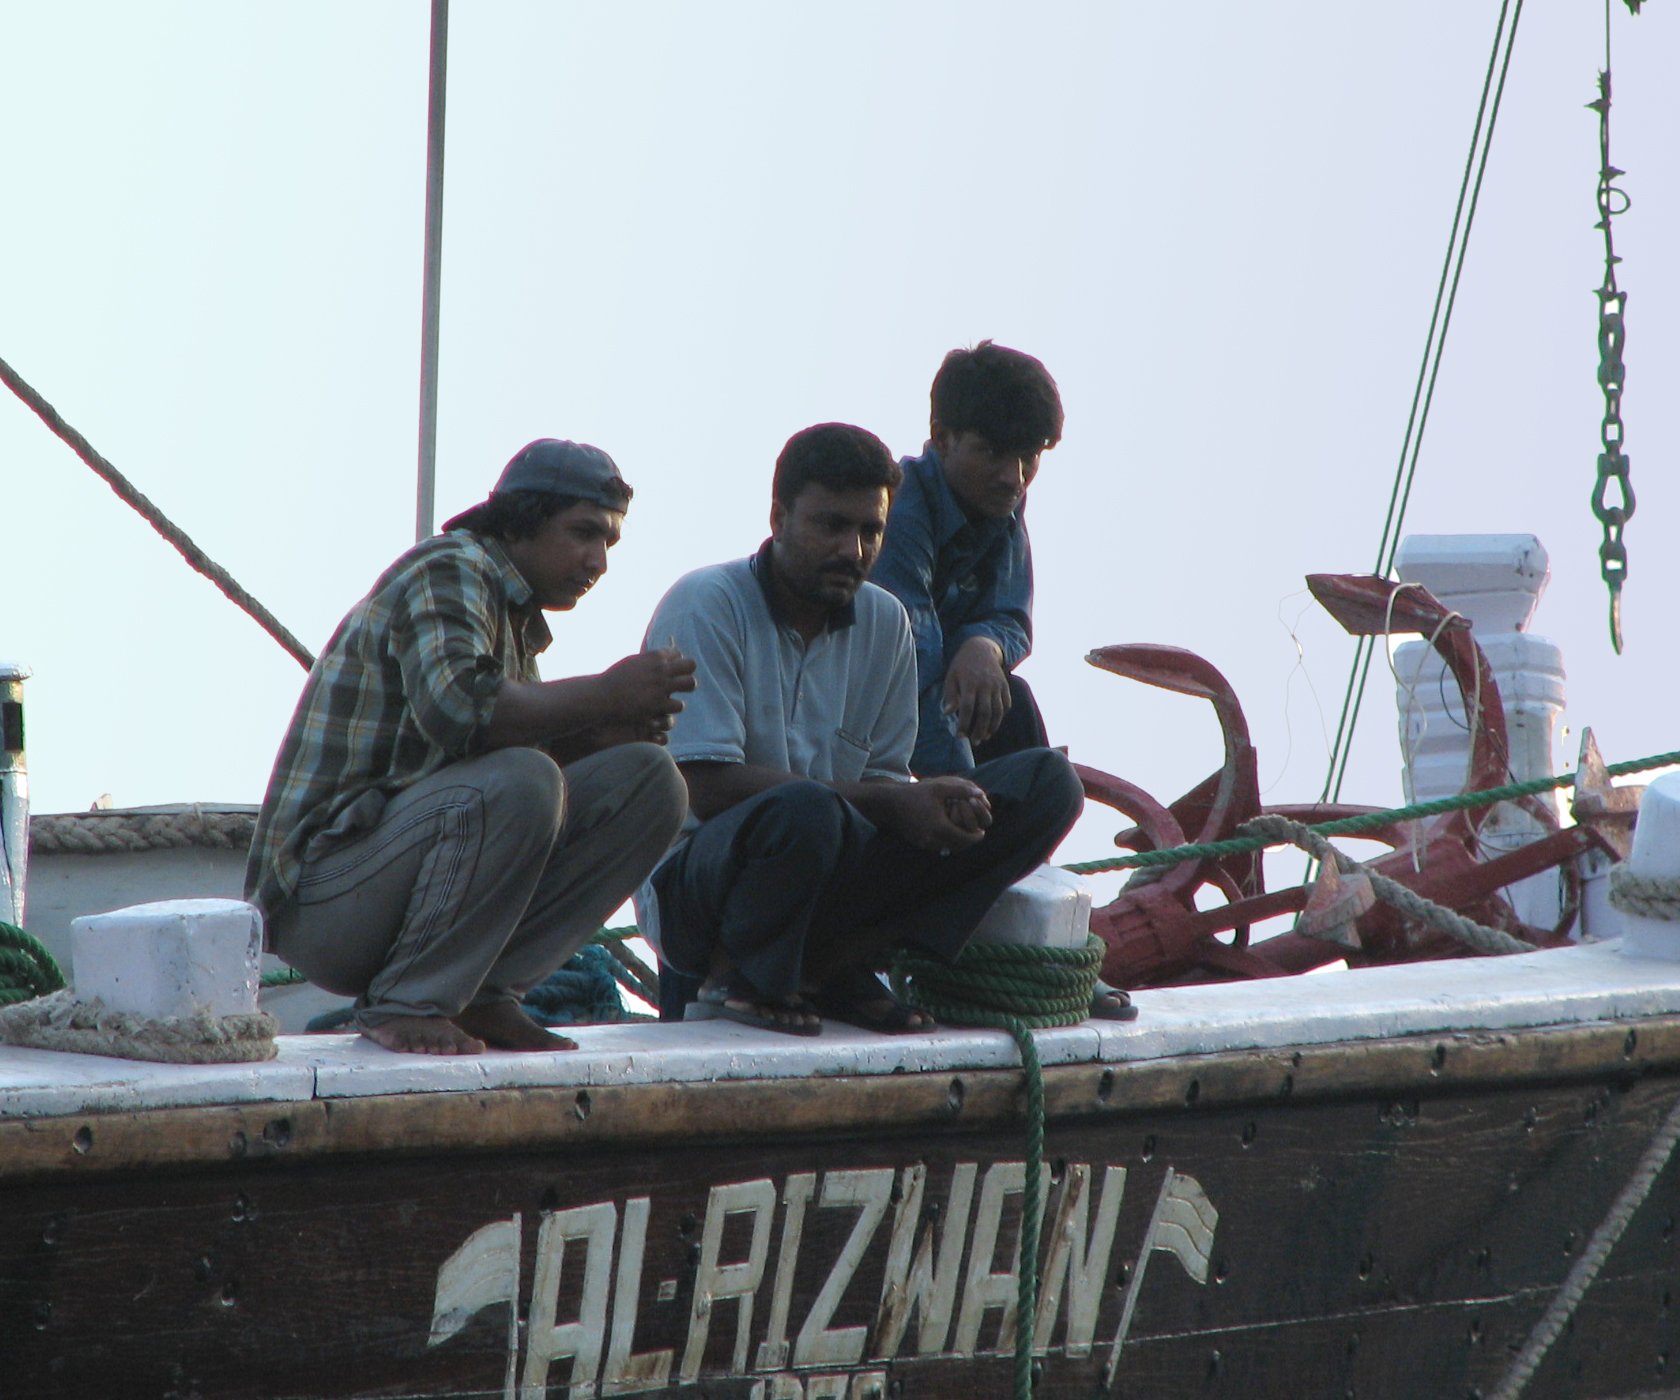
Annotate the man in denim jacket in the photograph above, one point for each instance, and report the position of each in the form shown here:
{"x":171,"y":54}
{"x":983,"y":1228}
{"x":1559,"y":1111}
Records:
{"x":956,"y":554}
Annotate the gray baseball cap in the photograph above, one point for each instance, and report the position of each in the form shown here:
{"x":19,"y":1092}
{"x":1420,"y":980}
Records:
{"x":560,"y":468}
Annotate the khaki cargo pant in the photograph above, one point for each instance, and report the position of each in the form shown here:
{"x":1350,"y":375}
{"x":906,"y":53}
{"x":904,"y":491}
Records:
{"x":480,"y":880}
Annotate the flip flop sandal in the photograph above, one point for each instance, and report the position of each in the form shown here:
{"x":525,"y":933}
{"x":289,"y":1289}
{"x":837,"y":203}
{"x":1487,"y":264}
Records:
{"x":854,"y":997}
{"x":1111,"y":1004}
{"x":715,"y":996}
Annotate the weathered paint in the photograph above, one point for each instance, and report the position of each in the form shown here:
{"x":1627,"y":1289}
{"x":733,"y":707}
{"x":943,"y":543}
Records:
{"x":1394,"y":1242}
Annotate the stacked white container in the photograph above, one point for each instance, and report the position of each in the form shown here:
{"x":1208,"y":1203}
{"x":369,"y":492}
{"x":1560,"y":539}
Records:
{"x":1495,"y":581}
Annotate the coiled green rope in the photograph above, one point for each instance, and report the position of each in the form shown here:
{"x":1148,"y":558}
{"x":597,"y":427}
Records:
{"x":1019,"y":990}
{"x":27,"y":969}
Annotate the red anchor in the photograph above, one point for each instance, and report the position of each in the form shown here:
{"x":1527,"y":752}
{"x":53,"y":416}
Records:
{"x":1155,"y":933}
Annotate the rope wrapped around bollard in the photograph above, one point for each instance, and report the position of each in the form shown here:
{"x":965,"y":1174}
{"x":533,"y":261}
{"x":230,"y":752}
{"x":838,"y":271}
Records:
{"x":1017,"y":989}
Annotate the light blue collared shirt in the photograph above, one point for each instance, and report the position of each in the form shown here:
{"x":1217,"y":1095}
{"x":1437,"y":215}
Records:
{"x":839,"y":708}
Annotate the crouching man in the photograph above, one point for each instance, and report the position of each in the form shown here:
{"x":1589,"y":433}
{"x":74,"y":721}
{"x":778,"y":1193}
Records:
{"x":443,"y":829}
{"x":811,"y":853}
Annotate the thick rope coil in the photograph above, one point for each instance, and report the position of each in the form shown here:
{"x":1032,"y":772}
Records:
{"x":1648,"y":895}
{"x":61,"y":1022}
{"x":1017,"y":989}
{"x":1409,"y":902}
{"x":27,"y":968}
{"x":1585,"y":1270}
{"x":107,"y":833}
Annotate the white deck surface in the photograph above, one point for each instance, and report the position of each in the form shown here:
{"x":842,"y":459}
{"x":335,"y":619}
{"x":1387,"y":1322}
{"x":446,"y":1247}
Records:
{"x":1590,"y":983}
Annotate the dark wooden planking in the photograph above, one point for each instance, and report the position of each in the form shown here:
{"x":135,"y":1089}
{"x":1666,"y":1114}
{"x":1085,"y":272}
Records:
{"x":1399,"y":1245}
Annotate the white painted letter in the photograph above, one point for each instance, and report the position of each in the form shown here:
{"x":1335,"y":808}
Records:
{"x":714,"y":1282}
{"x":647,"y":1370}
{"x":869,"y":1385}
{"x":546,"y":1341}
{"x":929,"y":1285}
{"x":1078,"y":1259}
{"x":816,"y":1345}
{"x":984,"y":1289}
{"x":773,"y":1350}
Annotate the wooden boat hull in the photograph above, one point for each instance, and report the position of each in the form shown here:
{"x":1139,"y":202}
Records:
{"x":1378,"y":1219}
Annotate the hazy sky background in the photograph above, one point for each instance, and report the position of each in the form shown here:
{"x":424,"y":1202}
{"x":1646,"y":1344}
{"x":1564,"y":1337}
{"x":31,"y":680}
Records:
{"x":685,"y":231}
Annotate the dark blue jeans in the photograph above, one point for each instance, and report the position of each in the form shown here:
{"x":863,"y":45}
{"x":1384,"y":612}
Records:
{"x":797,"y":867}
{"x":1022,"y":727}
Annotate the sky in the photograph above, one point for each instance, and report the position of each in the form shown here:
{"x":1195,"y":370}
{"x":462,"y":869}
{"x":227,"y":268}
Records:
{"x":683,"y":232}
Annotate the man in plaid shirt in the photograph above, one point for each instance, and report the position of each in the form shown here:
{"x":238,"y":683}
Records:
{"x":443,"y":828}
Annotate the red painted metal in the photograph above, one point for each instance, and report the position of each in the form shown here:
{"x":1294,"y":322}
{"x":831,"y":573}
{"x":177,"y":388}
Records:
{"x":1154,"y":930}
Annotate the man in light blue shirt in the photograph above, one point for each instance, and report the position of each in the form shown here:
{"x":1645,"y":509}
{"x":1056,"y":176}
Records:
{"x":811,"y":852}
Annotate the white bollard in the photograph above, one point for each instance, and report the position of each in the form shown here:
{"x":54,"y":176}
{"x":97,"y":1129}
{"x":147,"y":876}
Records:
{"x":1656,"y":856}
{"x":175,"y":958}
{"x":1046,"y":908}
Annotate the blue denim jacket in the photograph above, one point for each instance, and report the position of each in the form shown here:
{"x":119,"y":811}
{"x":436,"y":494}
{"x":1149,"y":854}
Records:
{"x":957,"y":578}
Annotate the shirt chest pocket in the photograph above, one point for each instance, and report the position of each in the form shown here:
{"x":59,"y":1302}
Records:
{"x":851,"y":755}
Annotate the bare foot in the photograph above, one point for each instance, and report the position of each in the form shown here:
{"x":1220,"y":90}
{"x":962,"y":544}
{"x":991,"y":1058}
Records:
{"x":423,"y":1035}
{"x":505,"y":1026}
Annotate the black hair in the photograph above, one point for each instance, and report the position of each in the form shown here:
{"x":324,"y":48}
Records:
{"x":1004,"y":395}
{"x":836,"y":455}
{"x":511,"y":516}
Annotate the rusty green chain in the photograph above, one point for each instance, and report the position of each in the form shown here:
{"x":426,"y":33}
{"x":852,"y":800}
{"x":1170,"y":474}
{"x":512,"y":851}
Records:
{"x":1613,"y":463}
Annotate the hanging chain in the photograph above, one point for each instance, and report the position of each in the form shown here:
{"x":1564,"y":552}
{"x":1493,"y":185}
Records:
{"x":1613,"y":463}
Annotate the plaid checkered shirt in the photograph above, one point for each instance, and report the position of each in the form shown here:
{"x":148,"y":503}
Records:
{"x":404,"y":688}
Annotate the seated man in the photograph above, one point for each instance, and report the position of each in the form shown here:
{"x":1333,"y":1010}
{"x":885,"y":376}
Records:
{"x":810,"y":852}
{"x":956,"y":555}
{"x":443,"y":829}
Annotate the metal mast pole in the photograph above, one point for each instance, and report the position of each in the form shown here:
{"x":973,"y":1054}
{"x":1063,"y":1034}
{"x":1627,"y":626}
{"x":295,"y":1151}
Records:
{"x":433,"y":271}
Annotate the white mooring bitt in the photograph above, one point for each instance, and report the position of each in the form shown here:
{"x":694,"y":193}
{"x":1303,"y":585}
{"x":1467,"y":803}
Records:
{"x":1656,"y":856}
{"x":1495,"y":581}
{"x":1046,"y":908}
{"x":175,"y":958}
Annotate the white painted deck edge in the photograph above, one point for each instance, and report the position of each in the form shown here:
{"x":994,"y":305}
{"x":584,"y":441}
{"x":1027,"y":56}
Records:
{"x":1593,"y":983}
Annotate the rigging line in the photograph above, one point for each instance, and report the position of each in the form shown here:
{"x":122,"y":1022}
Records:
{"x":1363,"y":645}
{"x":1431,"y":343}
{"x":1452,"y":296}
{"x":1360,"y":671}
{"x":127,"y":492}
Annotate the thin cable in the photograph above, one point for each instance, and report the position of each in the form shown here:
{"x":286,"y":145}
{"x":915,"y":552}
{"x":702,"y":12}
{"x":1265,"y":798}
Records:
{"x":1423,"y":392}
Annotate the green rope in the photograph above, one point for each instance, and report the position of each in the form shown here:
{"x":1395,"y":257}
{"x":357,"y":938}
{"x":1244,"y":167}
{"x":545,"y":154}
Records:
{"x":27,"y":969}
{"x":291,"y":977}
{"x":1368,"y":821}
{"x":1017,"y":989}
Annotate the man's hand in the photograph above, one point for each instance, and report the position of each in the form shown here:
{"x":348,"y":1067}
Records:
{"x":936,"y":814}
{"x":977,"y":689}
{"x":641,"y":693}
